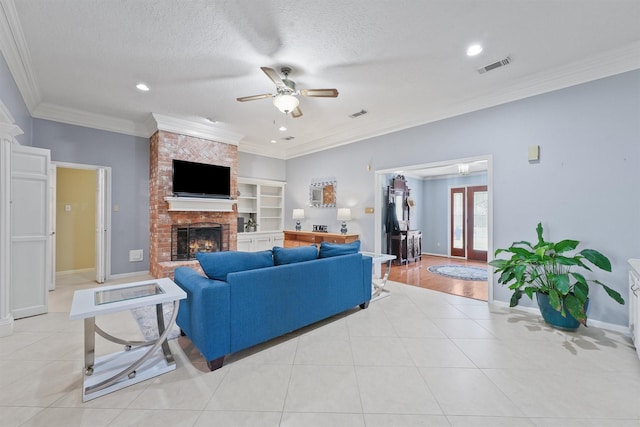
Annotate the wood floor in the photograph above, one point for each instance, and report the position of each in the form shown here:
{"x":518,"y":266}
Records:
{"x":416,"y":274}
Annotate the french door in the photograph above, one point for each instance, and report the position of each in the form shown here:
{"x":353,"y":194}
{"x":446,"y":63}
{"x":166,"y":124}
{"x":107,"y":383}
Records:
{"x":469,"y":219}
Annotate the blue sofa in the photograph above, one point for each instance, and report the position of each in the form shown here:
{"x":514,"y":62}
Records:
{"x":251,"y":297}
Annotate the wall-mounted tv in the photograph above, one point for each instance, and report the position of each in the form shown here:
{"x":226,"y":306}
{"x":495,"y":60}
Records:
{"x":191,"y":179}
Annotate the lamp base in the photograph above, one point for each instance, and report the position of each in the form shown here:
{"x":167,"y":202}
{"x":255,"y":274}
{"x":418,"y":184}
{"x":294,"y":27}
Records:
{"x":298,"y":226}
{"x":343,"y":230}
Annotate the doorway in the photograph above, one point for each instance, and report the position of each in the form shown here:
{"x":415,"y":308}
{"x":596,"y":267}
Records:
{"x":82,"y":220}
{"x":468,"y":218}
{"x":440,"y":224}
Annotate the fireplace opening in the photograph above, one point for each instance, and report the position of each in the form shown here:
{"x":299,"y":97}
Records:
{"x":189,"y":239}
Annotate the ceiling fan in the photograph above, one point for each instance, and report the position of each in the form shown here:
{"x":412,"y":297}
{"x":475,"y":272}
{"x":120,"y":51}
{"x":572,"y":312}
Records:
{"x":285,"y":98}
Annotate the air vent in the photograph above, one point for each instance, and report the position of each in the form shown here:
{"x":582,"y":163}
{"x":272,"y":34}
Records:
{"x":498,"y":64}
{"x":358,"y":114}
{"x":288,"y":138}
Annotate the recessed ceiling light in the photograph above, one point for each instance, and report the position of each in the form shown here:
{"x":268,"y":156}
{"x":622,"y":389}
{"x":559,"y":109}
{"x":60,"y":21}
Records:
{"x":282,"y":128}
{"x":142,"y":87}
{"x":474,"y":49}
{"x":273,"y":141}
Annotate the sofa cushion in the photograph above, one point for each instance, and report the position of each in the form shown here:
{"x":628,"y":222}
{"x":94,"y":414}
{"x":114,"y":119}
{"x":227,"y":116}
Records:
{"x":335,"y":249}
{"x":216,"y":265}
{"x":290,"y":255}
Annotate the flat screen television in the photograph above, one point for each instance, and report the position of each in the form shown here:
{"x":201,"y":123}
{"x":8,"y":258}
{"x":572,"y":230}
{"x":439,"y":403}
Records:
{"x":191,"y":179}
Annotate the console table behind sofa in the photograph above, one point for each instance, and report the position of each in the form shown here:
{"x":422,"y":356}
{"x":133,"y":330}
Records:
{"x":303,"y":238}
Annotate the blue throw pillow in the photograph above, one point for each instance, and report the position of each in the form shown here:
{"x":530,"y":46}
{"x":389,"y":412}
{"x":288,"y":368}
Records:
{"x":291,"y":255}
{"x":335,"y":249}
{"x":216,"y":265}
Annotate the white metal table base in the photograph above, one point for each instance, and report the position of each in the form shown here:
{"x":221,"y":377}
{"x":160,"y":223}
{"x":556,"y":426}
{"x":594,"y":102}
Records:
{"x":131,"y":366}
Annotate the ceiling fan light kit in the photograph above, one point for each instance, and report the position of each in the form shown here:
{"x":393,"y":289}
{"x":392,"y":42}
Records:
{"x":285,"y":102}
{"x":286,"y":99}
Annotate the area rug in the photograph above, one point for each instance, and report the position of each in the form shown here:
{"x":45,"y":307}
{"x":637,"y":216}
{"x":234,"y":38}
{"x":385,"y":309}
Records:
{"x":462,"y":272}
{"x":148,"y":323}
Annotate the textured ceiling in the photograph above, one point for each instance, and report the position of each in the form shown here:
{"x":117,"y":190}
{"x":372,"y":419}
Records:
{"x":404,"y":62}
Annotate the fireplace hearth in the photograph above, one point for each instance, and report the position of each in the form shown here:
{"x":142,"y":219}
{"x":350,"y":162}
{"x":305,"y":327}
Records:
{"x":189,"y":239}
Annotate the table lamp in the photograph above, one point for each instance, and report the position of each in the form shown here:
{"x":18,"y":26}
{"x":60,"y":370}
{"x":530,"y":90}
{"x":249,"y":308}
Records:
{"x":344,"y":214}
{"x":298,"y":214}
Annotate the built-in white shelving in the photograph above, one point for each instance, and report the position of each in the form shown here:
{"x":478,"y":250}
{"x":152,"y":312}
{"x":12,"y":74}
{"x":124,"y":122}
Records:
{"x":263,"y":201}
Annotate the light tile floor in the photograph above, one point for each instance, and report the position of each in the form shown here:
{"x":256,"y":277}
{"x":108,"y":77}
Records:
{"x":415,"y":358}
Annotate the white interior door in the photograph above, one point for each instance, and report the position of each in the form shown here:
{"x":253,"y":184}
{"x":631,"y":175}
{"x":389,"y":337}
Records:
{"x":30,"y":228}
{"x":101,"y":225}
{"x":51,"y":276}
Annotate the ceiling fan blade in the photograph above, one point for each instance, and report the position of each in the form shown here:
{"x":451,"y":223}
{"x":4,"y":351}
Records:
{"x":297,"y":112}
{"x":275,"y":78}
{"x":321,"y":93}
{"x":254,"y":97}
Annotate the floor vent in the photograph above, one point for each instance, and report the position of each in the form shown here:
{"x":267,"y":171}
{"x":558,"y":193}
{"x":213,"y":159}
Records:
{"x":497,"y":64}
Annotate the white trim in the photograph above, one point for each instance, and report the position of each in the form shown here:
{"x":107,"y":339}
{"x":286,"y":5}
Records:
{"x":192,"y":128}
{"x":91,"y":120}
{"x":107,"y":209}
{"x":596,"y":323}
{"x":199,"y":204}
{"x":16,"y":53}
{"x":127,"y":275}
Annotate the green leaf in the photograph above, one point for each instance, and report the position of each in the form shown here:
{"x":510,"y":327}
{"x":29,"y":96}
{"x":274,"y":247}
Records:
{"x":498,"y":263}
{"x":562,"y":283}
{"x":554,"y":300}
{"x":563,"y":260}
{"x":539,"y":233}
{"x":565,"y":245}
{"x":613,"y":294}
{"x":576,"y":308}
{"x":597,"y":259}
{"x":515,"y":298}
{"x":581,"y":287}
{"x":521,"y":252}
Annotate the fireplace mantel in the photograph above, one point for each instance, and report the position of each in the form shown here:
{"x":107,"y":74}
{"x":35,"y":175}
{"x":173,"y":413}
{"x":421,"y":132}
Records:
{"x":200,"y":204}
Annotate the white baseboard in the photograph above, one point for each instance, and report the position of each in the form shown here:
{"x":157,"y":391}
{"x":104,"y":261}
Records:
{"x":68,"y":272}
{"x":6,"y":326}
{"x":125,"y":275}
{"x":596,"y":323}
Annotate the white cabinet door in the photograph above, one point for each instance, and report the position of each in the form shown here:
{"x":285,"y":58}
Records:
{"x":245,"y":244}
{"x":262,"y":243}
{"x":278,"y":239}
{"x":30,"y":228}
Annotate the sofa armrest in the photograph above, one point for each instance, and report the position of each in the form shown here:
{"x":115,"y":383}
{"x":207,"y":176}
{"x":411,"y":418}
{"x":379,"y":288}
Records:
{"x":204,"y":315}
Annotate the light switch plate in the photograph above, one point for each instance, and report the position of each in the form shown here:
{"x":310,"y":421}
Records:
{"x":534,"y":153}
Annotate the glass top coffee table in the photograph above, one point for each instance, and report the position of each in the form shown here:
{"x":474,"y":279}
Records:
{"x":140,"y":360}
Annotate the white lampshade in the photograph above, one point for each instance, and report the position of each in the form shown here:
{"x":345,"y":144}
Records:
{"x":344,"y":214}
{"x":285,"y":102}
{"x":298,"y":214}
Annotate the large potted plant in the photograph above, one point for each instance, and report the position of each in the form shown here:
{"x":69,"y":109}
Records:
{"x":547,"y":270}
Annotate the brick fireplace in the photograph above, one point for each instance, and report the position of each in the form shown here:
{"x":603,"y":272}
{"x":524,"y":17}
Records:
{"x":166,"y":146}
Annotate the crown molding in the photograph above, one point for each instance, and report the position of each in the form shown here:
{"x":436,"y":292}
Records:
{"x":262,"y":149}
{"x":14,"y":49}
{"x":72,"y":116}
{"x":191,"y":128}
{"x":617,"y":61}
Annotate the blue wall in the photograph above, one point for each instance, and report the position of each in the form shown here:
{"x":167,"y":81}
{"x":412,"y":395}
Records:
{"x":128,"y":157}
{"x":584,"y":187}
